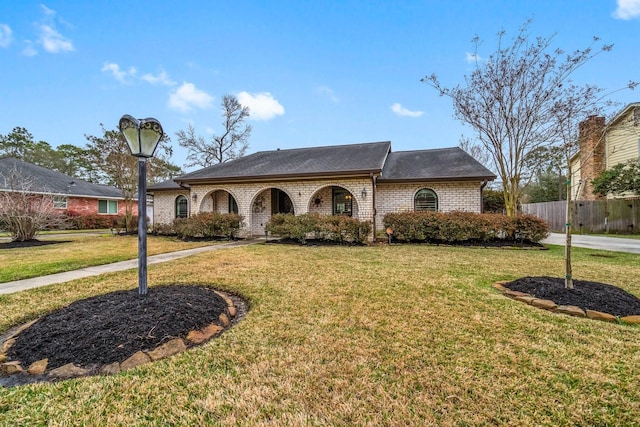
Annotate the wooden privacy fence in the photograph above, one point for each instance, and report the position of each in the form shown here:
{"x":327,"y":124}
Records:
{"x":617,"y":216}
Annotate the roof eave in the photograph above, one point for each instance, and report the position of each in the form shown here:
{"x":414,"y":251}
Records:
{"x":624,"y":112}
{"x":437,"y":179}
{"x":280,"y":177}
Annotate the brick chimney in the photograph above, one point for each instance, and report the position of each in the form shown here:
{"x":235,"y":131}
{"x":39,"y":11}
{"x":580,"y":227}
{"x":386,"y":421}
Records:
{"x":592,"y":154}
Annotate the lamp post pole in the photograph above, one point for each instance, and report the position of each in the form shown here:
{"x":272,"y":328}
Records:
{"x":142,"y":225}
{"x":143,"y":137}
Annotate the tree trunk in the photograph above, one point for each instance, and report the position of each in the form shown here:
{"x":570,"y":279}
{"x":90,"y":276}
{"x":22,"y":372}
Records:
{"x":568,"y":279}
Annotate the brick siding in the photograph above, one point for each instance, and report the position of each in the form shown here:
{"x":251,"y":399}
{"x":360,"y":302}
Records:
{"x":254,"y":199}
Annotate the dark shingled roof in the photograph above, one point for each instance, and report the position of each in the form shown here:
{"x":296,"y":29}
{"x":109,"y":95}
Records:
{"x":169,"y":184}
{"x":315,"y":161}
{"x":45,"y":180}
{"x":433,"y":165}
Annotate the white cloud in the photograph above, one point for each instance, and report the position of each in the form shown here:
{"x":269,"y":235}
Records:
{"x":262,"y":106}
{"x":5,"y":35}
{"x":47,"y":11}
{"x":117,"y":73}
{"x":472,"y":58}
{"x":162,"y":78}
{"x":29,"y":50}
{"x":52,"y":41}
{"x":328,"y":92}
{"x":50,"y":38}
{"x":627,"y":9}
{"x":187,"y":97}
{"x":403,"y":112}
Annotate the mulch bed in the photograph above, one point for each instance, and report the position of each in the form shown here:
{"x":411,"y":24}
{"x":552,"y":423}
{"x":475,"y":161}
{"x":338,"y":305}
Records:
{"x":586,"y":295}
{"x":110,"y":328}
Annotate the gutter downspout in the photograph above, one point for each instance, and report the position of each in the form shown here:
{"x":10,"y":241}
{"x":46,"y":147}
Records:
{"x":484,"y":184}
{"x":375,"y":190}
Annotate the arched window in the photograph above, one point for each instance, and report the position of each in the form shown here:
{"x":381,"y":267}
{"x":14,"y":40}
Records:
{"x":425,"y":200}
{"x":181,"y":207}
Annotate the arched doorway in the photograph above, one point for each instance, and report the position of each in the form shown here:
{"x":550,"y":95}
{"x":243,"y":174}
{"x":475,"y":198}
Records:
{"x":333,"y":200}
{"x":220,"y":201}
{"x":269,"y":201}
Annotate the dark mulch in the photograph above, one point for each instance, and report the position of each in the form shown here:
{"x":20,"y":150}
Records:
{"x":313,"y":242}
{"x":30,"y":243}
{"x":110,"y":328}
{"x":586,"y":295}
{"x":495,"y":243}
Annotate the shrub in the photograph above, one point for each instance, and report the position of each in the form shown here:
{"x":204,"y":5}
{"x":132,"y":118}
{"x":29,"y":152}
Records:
{"x":208,"y":225}
{"x":455,"y":227}
{"x":337,"y":228}
{"x":164,"y":229}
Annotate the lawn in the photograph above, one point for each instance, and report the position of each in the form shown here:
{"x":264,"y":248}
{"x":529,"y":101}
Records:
{"x":387,"y":335}
{"x":80,"y":251}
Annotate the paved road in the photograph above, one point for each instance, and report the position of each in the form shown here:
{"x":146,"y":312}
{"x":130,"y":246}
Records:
{"x":606,"y":243}
{"x":36,"y":282}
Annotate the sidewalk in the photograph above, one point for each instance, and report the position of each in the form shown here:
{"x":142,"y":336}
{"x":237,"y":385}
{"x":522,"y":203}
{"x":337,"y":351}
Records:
{"x":615,"y":244}
{"x":36,"y":282}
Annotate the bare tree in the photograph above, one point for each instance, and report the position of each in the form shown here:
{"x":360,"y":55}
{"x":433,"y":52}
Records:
{"x":512,"y":101}
{"x":475,"y":150}
{"x":23,"y":210}
{"x":231,"y":144}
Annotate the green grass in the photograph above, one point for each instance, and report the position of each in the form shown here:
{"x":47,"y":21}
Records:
{"x":404,"y":335}
{"x":80,"y":251}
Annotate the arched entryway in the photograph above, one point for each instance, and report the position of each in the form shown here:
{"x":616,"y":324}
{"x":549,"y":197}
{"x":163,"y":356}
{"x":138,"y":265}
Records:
{"x":269,"y":201}
{"x":334,"y":200}
{"x":220,"y":201}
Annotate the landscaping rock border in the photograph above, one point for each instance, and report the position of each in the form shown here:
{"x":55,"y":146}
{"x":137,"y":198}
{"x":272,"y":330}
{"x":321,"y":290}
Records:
{"x":37,"y":371}
{"x":570,"y":310}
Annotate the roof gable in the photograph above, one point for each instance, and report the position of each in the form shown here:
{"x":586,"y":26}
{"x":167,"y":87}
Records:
{"x":314,"y":161}
{"x":45,"y":180}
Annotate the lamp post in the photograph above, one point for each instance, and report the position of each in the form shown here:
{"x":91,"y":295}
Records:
{"x":142,"y":137}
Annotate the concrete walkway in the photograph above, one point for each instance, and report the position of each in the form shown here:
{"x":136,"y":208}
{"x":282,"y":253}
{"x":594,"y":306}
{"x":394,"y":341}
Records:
{"x":36,"y":282}
{"x":615,"y":244}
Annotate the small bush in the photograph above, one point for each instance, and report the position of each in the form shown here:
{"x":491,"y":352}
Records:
{"x":208,"y":225}
{"x":164,"y":229}
{"x":456,"y":227}
{"x":93,"y":221}
{"x":337,"y":228}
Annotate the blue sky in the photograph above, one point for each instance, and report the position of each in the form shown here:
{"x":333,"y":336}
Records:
{"x":312,"y":72}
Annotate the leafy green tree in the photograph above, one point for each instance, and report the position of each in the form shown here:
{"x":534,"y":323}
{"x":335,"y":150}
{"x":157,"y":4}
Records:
{"x":492,"y":201}
{"x":73,"y":161}
{"x":16,"y":143}
{"x":621,"y":178}
{"x":546,"y":187}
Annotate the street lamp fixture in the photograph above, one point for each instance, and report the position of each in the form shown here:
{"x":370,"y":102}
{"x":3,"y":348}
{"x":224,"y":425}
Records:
{"x":143,"y":137}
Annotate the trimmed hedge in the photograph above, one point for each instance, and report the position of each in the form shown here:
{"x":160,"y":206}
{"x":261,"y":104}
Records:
{"x":336,"y":228}
{"x":202,"y":225}
{"x":456,"y":227}
{"x":95,"y":221}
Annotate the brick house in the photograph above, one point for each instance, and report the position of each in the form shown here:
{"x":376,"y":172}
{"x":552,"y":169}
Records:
{"x":70,"y":195}
{"x":602,"y":146}
{"x":365,"y":181}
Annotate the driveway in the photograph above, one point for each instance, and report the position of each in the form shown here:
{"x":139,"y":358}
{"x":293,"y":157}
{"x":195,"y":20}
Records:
{"x":615,"y":244}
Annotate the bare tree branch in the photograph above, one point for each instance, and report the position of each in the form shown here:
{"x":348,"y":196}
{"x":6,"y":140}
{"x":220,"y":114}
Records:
{"x":229,"y":145}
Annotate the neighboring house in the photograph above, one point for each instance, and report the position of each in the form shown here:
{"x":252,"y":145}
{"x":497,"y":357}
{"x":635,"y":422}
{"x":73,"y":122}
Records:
{"x":70,"y":195}
{"x":365,"y":181}
{"x":602,"y":146}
